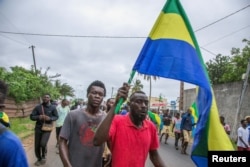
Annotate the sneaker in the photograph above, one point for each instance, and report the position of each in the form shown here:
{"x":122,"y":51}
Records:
{"x":176,"y":148}
{"x":43,"y":161}
{"x":37,"y":163}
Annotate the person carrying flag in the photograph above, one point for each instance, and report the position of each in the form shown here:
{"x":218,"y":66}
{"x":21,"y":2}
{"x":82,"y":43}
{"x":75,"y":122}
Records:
{"x":131,"y":137}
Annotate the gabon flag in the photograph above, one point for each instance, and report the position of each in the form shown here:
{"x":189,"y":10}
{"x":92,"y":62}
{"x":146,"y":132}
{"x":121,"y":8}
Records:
{"x":171,"y":51}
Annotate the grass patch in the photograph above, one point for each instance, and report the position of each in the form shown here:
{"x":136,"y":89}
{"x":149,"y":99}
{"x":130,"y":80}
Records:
{"x":22,"y":127}
{"x":234,"y":144}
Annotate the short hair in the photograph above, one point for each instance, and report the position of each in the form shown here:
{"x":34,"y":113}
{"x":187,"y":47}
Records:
{"x":110,"y":99}
{"x":139,"y":91}
{"x":97,"y":83}
{"x":47,"y":94}
{"x":222,"y":118}
{"x":242,"y":121}
{"x":63,"y":100}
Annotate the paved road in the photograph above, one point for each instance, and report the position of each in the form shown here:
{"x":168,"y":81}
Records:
{"x":171,"y":157}
{"x":53,"y":159}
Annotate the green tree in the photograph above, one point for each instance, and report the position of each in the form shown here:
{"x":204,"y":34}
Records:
{"x":223,"y":69}
{"x":137,"y":86}
{"x":26,"y":84}
{"x":217,"y":67}
{"x":23,"y":84}
{"x":240,"y":60}
{"x":149,"y":78}
{"x":66,"y":90}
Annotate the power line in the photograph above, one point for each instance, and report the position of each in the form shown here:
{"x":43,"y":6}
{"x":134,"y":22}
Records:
{"x":8,"y":20}
{"x":20,"y":42}
{"x":208,"y":51}
{"x":105,"y":36}
{"x":222,"y":18}
{"x":130,"y":37}
{"x":127,"y":37}
{"x":212,"y":42}
{"x":226,"y":36}
{"x":71,"y":36}
{"x":202,"y":47}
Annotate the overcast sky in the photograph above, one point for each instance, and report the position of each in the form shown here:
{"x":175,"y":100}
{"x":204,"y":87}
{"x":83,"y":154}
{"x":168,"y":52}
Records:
{"x":81,"y":60}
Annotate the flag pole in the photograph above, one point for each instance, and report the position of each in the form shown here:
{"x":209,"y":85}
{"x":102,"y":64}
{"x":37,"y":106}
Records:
{"x":118,"y":106}
{"x":181,"y":107}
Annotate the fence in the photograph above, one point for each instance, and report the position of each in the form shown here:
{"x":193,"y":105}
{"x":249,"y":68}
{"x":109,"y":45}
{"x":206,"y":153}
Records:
{"x":12,"y":109}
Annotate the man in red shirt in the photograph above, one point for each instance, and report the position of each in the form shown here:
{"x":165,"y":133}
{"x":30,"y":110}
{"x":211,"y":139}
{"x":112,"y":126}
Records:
{"x":130,"y":137}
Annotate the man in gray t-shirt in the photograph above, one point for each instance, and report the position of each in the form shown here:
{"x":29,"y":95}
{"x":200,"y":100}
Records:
{"x":76,"y":136}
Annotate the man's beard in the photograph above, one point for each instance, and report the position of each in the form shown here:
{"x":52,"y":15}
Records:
{"x":139,"y":117}
{"x":45,"y":102}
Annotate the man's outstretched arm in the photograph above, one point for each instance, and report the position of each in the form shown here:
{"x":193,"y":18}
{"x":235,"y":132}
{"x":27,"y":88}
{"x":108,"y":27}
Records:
{"x":102,"y":132}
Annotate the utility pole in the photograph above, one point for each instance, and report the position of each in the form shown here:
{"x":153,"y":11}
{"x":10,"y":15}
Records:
{"x":112,"y":92}
{"x":34,"y":60}
{"x":33,"y":54}
{"x":243,"y":90}
{"x":181,"y":96}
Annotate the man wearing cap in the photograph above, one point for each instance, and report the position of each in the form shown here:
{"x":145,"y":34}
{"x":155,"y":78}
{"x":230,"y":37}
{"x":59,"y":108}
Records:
{"x":4,"y":119}
{"x":12,"y":153}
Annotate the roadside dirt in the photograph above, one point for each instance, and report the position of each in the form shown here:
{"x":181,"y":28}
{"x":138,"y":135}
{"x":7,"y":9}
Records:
{"x":28,"y":142}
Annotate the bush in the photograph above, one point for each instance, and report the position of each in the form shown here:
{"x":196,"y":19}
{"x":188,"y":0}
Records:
{"x":22,"y":127}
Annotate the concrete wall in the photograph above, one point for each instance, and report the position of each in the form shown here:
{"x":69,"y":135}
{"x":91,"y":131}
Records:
{"x":227,"y":97}
{"x":15,"y":110}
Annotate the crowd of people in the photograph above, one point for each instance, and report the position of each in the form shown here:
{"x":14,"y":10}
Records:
{"x":181,"y":125}
{"x":102,"y":137}
{"x":83,"y":130}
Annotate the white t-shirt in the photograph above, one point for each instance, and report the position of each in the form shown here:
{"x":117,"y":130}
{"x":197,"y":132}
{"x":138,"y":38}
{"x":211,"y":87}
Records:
{"x":62,"y":113}
{"x":177,"y":126}
{"x":244,"y":134}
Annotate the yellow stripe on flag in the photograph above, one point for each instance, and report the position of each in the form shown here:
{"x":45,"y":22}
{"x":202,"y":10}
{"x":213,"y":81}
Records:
{"x":175,"y":26}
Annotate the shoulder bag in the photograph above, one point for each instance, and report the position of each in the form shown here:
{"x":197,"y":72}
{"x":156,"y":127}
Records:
{"x":46,"y":126}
